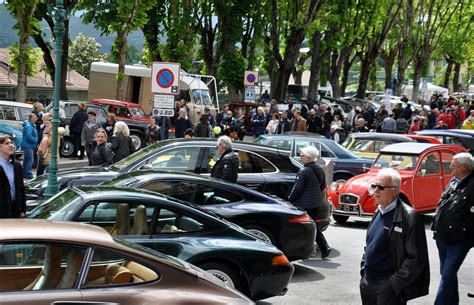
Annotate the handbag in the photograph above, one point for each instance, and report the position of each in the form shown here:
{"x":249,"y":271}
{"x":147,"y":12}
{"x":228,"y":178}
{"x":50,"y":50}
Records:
{"x":43,"y":147}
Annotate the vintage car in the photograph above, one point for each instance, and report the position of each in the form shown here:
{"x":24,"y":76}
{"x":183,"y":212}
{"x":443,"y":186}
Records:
{"x":49,"y":262}
{"x":425,"y":171}
{"x":15,"y":133}
{"x":369,"y":144}
{"x":463,"y":137}
{"x":14,"y":113}
{"x":163,"y":224}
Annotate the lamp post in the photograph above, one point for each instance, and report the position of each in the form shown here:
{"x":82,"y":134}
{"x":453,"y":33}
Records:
{"x":59,"y":15}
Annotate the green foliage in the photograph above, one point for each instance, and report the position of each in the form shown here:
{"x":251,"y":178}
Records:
{"x":232,"y":68}
{"x":82,"y":52}
{"x":33,"y":59}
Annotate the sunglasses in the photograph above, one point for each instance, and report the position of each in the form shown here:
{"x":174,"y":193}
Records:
{"x":381,"y":186}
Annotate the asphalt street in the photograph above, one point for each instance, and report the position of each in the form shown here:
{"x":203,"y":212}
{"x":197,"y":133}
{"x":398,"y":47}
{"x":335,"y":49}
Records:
{"x":336,"y":280}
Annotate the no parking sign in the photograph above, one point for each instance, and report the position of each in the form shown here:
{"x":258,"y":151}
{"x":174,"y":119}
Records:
{"x":165,"y":78}
{"x":251,"y":78}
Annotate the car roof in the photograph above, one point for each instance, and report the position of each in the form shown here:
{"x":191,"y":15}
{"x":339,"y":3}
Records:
{"x":40,"y":229}
{"x":16,"y":104}
{"x":380,"y":136}
{"x":448,"y":132}
{"x":410,"y":148}
{"x":295,"y":134}
{"x":114,"y":102}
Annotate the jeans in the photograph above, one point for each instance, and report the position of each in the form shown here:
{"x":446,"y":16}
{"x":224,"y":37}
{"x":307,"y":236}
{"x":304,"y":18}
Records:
{"x":451,"y":257}
{"x":28,"y":162}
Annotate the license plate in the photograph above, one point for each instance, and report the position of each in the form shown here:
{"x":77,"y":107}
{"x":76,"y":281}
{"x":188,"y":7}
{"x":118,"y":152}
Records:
{"x":347,"y":208}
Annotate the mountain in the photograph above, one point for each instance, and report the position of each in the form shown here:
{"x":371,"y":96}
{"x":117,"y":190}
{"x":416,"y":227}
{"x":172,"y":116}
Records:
{"x":9,"y":36}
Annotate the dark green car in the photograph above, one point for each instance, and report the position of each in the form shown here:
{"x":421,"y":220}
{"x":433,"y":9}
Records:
{"x":224,"y":249}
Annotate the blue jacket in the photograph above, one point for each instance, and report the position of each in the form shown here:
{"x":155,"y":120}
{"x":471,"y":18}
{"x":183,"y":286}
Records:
{"x":307,"y":192}
{"x":258,"y":124}
{"x":30,"y":135}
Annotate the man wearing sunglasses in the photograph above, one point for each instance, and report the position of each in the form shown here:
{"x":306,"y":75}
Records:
{"x":395,"y":266}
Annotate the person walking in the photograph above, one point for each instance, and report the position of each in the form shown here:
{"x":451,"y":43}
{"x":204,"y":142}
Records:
{"x":227,"y":167}
{"x":101,"y":154}
{"x":202,"y":129}
{"x":122,"y":144}
{"x":395,"y":266}
{"x":12,"y":196}
{"x":153,"y":133}
{"x":453,"y":227}
{"x":75,"y":128}
{"x":307,"y":192}
{"x":29,"y":144}
{"x":88,"y":133}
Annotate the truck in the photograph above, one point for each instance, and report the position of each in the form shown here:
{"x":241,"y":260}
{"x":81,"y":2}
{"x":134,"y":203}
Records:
{"x":199,"y":91}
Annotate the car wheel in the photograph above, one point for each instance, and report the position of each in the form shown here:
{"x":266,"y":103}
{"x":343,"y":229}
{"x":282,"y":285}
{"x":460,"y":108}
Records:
{"x":340,"y":218}
{"x":341,"y":178}
{"x":223,"y":273}
{"x":67,"y":148}
{"x":260,"y":233}
{"x":136,"y":140}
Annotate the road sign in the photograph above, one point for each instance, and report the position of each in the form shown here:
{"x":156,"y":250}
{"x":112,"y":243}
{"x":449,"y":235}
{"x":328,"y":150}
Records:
{"x":250,"y":95}
{"x":163,"y":101}
{"x":387,"y":99}
{"x":251,"y":78}
{"x":165,"y":78}
{"x":162,"y":112}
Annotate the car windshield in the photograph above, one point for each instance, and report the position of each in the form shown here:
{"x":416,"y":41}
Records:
{"x":399,"y":162}
{"x":59,"y":207}
{"x":137,"y":112}
{"x":172,"y":260}
{"x":201,"y":97}
{"x":260,"y":139}
{"x":140,"y":154}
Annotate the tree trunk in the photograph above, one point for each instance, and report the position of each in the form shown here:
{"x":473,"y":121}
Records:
{"x":416,"y":80}
{"x":389,"y":60}
{"x":22,"y":81}
{"x":447,"y":73}
{"x":48,"y":59}
{"x":150,"y":32}
{"x":122,"y":47}
{"x":457,"y":86}
{"x":348,"y":62}
{"x":315,"y":66}
{"x":64,"y":61}
{"x":366,"y":66}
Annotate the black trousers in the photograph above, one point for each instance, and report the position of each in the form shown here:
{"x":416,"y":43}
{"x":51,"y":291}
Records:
{"x":320,"y":239}
{"x":76,"y":141}
{"x":378,"y":291}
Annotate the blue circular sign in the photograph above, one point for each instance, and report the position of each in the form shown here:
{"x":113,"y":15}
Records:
{"x":165,"y":78}
{"x":251,"y":78}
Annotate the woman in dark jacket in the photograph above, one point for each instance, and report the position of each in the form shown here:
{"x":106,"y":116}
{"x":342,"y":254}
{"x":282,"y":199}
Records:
{"x":101,"y":155}
{"x":122,"y":145}
{"x":307,"y":192}
{"x":258,"y":121}
{"x":182,"y":123}
{"x":202,"y":129}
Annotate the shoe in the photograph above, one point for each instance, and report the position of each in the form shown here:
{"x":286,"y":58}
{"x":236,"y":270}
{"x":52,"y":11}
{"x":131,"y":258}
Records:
{"x":326,"y":253}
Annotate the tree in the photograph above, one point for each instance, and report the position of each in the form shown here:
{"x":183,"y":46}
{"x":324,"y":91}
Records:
{"x":120,"y":17}
{"x":22,"y":11}
{"x":33,"y":60}
{"x":82,"y":52}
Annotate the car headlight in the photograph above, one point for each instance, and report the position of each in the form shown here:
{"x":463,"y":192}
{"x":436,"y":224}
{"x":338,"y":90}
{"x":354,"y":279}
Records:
{"x":334,"y":186}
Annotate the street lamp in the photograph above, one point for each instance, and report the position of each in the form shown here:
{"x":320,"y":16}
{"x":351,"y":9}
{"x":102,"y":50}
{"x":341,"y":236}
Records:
{"x":59,"y":14}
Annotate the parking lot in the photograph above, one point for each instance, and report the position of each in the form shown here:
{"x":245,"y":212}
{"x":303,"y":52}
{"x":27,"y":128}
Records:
{"x":336,"y":280}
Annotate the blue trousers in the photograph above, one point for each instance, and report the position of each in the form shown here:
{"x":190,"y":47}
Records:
{"x":28,"y":162}
{"x":451,"y":257}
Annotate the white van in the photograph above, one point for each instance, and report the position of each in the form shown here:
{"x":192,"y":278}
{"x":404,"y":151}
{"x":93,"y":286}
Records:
{"x":137,"y":87}
{"x":14,"y":113}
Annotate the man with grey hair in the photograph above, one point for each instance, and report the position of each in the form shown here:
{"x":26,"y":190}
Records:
{"x":227,"y":167}
{"x":395,"y":266}
{"x":453,"y":227}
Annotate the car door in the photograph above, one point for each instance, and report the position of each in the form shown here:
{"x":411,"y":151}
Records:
{"x":40,"y":273}
{"x":182,"y":158}
{"x":428,"y":182}
{"x":250,"y":173}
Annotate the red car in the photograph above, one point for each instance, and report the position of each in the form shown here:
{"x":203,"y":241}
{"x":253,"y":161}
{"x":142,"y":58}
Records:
{"x":425,"y":171}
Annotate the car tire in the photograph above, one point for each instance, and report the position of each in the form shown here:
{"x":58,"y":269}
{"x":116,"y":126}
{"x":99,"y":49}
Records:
{"x":261,"y":233}
{"x":67,"y":148}
{"x":223,"y":273}
{"x":340,"y":218}
{"x":136,"y":140}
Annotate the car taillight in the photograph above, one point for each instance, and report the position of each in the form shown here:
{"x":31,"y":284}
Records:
{"x":302,"y":218}
{"x":280,"y":260}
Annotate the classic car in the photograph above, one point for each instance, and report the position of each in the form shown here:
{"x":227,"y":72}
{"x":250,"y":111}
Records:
{"x":47,"y":262}
{"x":266,"y":169}
{"x":272,"y":220}
{"x":346,"y":164}
{"x":423,"y":167}
{"x":14,"y":113}
{"x":369,"y":144}
{"x":239,"y":259}
{"x":16,"y":134}
{"x":463,"y":137}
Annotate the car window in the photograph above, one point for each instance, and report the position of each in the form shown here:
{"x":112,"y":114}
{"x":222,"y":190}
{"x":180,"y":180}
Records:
{"x":430,"y":165}
{"x":446,"y":158}
{"x":262,"y":165}
{"x":118,"y":218}
{"x":8,"y":113}
{"x":280,"y":144}
{"x":110,"y":269}
{"x":70,"y":110}
{"x":39,"y":266}
{"x":101,"y":115}
{"x":171,"y":222}
{"x":208,"y":195}
{"x":323,"y":150}
{"x":182,"y":190}
{"x":24,"y":112}
{"x":399,"y":162}
{"x":182,"y":159}
{"x":452,"y":140}
{"x":248,"y":162}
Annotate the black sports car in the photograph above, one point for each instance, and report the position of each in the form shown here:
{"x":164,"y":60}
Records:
{"x":265,"y":169}
{"x":243,"y":261}
{"x":273,"y":220}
